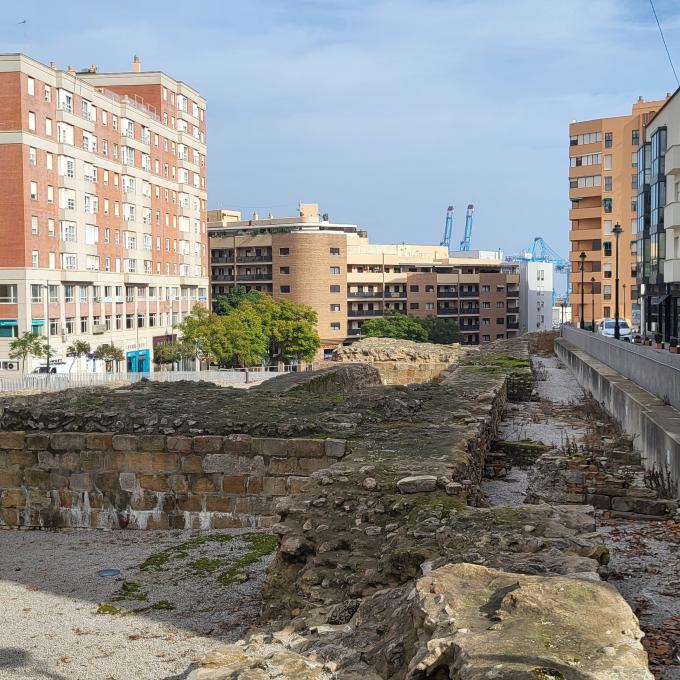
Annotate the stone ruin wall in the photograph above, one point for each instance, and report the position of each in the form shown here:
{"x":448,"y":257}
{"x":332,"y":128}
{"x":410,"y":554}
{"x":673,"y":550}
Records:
{"x":100,"y":480}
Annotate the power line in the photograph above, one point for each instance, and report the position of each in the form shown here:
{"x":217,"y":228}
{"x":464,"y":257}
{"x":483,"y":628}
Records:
{"x":670,"y":61}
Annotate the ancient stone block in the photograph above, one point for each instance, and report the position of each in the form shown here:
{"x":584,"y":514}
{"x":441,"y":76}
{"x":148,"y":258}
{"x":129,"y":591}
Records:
{"x":159,"y":521}
{"x":269,"y":446}
{"x":9,"y":518}
{"x":306,"y":448}
{"x":127,"y":481}
{"x":207,"y":444}
{"x":203,"y":485}
{"x":67,"y":441}
{"x":599,"y":501}
{"x":648,"y":506}
{"x":154,"y":482}
{"x":107,"y":482}
{"x":152,"y":462}
{"x":274,"y":486}
{"x":91,"y":461}
{"x":65,"y":498}
{"x":254,"y":485}
{"x":220,"y":504}
{"x":417,"y":484}
{"x":219,"y":462}
{"x":623,"y":504}
{"x":12,"y":440}
{"x":146,"y":500}
{"x":177,"y":522}
{"x":39,"y":479}
{"x":151,"y":442}
{"x":69,"y":460}
{"x":114,"y":461}
{"x":124,"y":442}
{"x":81,"y":481}
{"x":190,"y":504}
{"x":13,"y":498}
{"x":239,"y":444}
{"x":261,"y":505}
{"x":179,"y":483}
{"x":266,"y":521}
{"x":279,"y":467}
{"x":309,"y":465}
{"x":251,"y":465}
{"x":335,"y":448}
{"x":37,"y":441}
{"x":296,"y":485}
{"x":21,"y":458}
{"x":243,"y":505}
{"x":179,"y":444}
{"x":192,"y":464}
{"x":10,"y":478}
{"x":234,"y":484}
{"x":99,"y":441}
{"x":227,"y":522}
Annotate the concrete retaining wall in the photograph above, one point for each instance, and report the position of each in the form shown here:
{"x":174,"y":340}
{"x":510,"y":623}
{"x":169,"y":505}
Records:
{"x":654,"y":425}
{"x":657,"y":371}
{"x":101,"y":480}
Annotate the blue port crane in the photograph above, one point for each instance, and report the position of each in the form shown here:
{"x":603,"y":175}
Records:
{"x":464,"y":245}
{"x":448,"y":228}
{"x":540,"y":251}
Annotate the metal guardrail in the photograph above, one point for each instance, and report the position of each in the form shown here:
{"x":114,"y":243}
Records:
{"x":656,"y":371}
{"x":64,"y":381}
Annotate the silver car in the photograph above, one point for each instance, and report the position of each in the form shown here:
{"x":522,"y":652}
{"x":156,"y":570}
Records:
{"x":607,"y":329}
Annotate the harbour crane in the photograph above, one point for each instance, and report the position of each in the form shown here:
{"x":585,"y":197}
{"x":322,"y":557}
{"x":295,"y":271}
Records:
{"x":540,"y":251}
{"x":448,"y":228}
{"x":464,"y":245}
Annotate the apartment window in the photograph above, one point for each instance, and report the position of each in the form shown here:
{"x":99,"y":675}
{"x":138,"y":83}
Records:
{"x":53,"y":294}
{"x":486,"y":338}
{"x":608,"y":140}
{"x":607,"y":268}
{"x":35,"y":261}
{"x":633,"y":205}
{"x":414,"y":289}
{"x":414,"y":305}
{"x":69,"y":261}
{"x":119,"y":321}
{"x":486,"y":305}
{"x":141,"y":320}
{"x":54,"y":326}
{"x":34,"y":191}
{"x":607,"y":205}
{"x":608,"y":161}
{"x":588,"y":138}
{"x":129,"y":321}
{"x":32,"y":156}
{"x":285,"y":289}
{"x":83,"y":325}
{"x":50,"y":194}
{"x":31,"y":121}
{"x":31,"y":86}
{"x":500,"y":304}
{"x":284,"y":251}
{"x":607,"y":312}
{"x":69,"y":292}
{"x":486,"y":321}
{"x":499,"y":336}
{"x":585,"y":182}
{"x":70,"y":325}
{"x":607,"y":291}
{"x":82,"y":293}
{"x":486,"y":289}
{"x":50,"y":227}
{"x":635,"y":137}
{"x":634,"y":181}
{"x":335,"y":251}
{"x":500,"y":321}
{"x":429,"y":306}
{"x":335,"y":289}
{"x":284,"y":270}
{"x":48,"y":160}
{"x":335,"y":308}
{"x":607,"y":183}
{"x":48,"y":127}
{"x":335,"y":325}
{"x":48,"y":93}
{"x":634,"y":159}
{"x":8,"y":293}
{"x":34,"y":225}
{"x":36,"y":293}
{"x":334,"y":271}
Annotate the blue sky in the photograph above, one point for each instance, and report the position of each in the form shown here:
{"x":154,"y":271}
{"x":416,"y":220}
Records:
{"x":383,"y":111}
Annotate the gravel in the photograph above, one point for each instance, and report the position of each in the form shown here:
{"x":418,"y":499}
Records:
{"x":50,"y":595}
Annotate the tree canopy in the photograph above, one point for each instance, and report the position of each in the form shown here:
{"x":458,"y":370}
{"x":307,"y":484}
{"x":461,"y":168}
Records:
{"x":430,"y":329}
{"x":250,"y":328}
{"x":28,"y":345}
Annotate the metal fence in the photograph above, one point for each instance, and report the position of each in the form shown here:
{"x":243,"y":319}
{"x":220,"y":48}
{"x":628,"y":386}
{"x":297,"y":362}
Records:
{"x":657,"y":371}
{"x":63,"y":381}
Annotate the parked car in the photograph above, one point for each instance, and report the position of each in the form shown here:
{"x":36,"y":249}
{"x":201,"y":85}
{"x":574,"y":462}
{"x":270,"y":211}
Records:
{"x":607,"y":329}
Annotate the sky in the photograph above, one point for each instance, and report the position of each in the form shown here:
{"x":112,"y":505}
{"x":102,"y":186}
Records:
{"x":383,"y":111}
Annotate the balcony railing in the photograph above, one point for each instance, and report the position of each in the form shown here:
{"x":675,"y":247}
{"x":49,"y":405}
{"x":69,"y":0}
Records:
{"x":221,"y":260}
{"x":513,"y":293}
{"x":253,"y":277}
{"x":512,"y":325}
{"x":513,"y":310}
{"x":364,"y":294}
{"x":254,"y":258}
{"x":395,"y":294}
{"x":469,"y":294}
{"x":470,"y":329}
{"x":354,"y":331}
{"x":365,"y":312}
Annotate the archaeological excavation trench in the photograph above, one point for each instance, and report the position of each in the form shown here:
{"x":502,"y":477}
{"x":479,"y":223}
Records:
{"x":405,"y":547}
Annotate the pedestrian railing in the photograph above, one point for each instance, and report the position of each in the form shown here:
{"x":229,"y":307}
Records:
{"x":56,"y":382}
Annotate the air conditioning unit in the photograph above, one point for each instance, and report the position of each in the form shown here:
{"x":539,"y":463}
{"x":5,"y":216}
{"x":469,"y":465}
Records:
{"x":9,"y":365}
{"x":98,"y":329}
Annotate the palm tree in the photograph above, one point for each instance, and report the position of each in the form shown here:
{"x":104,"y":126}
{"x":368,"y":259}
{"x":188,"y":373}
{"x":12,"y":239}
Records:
{"x":27,"y":345}
{"x":79,"y":348}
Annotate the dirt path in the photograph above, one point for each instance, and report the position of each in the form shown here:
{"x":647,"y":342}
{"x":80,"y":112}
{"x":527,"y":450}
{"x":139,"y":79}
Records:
{"x":177,"y":595}
{"x":645,"y":556}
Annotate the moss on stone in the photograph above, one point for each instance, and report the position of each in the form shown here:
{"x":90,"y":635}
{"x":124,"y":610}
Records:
{"x":204,"y":565}
{"x":163,"y":605}
{"x":105,"y":608}
{"x":259,"y":545}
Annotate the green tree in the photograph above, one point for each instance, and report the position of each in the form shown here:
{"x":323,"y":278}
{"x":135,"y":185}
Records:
{"x":395,"y":325}
{"x":110,"y":355}
{"x":165,"y":353}
{"x":224,"y":304}
{"x":25,"y":346}
{"x":441,"y":331}
{"x":202,"y":335}
{"x":78,"y":349}
{"x":244,"y":339}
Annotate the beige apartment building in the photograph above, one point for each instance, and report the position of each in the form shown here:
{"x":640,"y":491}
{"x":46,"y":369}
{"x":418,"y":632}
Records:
{"x":347,"y":280}
{"x":603,"y":177}
{"x":102,"y":207}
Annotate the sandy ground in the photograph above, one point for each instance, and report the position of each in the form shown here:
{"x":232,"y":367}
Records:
{"x":50,"y":593}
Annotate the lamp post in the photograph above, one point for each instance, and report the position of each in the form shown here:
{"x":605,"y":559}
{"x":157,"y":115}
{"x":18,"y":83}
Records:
{"x":624,"y":301}
{"x":617,"y":333}
{"x":582,"y":257}
{"x":592,"y":298}
{"x":46,"y":286}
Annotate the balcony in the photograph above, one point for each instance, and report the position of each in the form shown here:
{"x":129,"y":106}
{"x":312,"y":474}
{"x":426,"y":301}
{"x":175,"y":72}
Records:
{"x":671,"y":215}
{"x":253,"y":277}
{"x":585,"y":234}
{"x":364,"y":312}
{"x":253,"y":258}
{"x":469,"y":294}
{"x":585,"y":192}
{"x":443,"y":294}
{"x":222,"y":277}
{"x":447,"y":311}
{"x":467,"y":311}
{"x":354,"y":331}
{"x":221,"y":260}
{"x":512,"y":325}
{"x":364,"y":294}
{"x":396,"y":294}
{"x":594,"y":212}
{"x":513,"y":293}
{"x":470,"y":329}
{"x":513,"y":310}
{"x":673,"y":160}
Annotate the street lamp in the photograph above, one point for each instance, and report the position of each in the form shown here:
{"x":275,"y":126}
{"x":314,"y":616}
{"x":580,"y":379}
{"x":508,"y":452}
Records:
{"x":592,"y":298}
{"x":46,"y":286}
{"x":582,"y":257}
{"x":624,"y":301}
{"x":617,"y":334}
